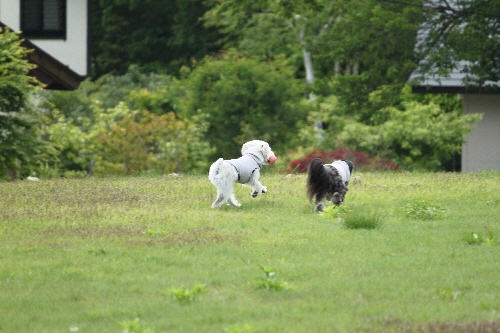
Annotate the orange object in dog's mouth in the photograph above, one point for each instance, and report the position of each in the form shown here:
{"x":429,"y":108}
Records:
{"x":272,"y":159}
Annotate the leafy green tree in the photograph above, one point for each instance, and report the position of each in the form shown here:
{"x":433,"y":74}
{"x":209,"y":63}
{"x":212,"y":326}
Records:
{"x":21,"y":150}
{"x":156,"y":35}
{"x":244,"y":98}
{"x":464,"y":36}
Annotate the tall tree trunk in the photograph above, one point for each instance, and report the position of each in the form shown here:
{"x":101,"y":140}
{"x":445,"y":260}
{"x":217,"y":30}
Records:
{"x":308,"y":65}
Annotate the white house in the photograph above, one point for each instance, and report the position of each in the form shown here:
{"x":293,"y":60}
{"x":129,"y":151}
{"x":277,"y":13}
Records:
{"x":481,"y":151}
{"x":58,"y":31}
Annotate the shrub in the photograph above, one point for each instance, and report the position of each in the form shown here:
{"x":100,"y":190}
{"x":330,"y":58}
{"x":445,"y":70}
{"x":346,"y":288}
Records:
{"x":123,"y":141}
{"x":415,"y":135}
{"x":362,"y":220}
{"x":361,"y":160}
{"x":245,"y":98}
{"x":145,"y":142}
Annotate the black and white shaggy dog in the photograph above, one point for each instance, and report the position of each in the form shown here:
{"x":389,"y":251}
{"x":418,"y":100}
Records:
{"x":328,"y":181}
{"x":224,"y":174}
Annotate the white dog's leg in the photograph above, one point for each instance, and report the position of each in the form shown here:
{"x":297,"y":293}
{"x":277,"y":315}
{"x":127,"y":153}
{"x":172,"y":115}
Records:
{"x":232,"y":201}
{"x":255,"y":185}
{"x":223,"y":176}
{"x":220,"y":199}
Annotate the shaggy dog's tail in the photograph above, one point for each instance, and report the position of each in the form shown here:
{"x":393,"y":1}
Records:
{"x":318,"y":180}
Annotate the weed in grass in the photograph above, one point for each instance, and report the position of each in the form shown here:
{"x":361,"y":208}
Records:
{"x":270,"y":282}
{"x":184,"y":295}
{"x":475,"y":238}
{"x":362,"y":220}
{"x":423,"y":210}
{"x":334,"y":211}
{"x":240,"y":329}
{"x":448,"y":294}
{"x":133,"y":326}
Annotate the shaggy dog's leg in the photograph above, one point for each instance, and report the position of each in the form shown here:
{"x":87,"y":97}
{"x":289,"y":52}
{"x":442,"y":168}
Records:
{"x":320,"y":202}
{"x":338,"y":197}
{"x":255,"y":185}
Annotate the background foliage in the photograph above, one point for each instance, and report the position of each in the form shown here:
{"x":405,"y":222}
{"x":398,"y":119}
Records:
{"x":21,"y":149}
{"x":218,"y":73}
{"x":244,"y":99}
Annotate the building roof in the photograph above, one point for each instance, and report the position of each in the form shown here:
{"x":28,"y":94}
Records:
{"x":455,"y":82}
{"x":50,"y":71}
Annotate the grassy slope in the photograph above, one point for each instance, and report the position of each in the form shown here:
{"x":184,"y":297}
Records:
{"x":95,"y":252}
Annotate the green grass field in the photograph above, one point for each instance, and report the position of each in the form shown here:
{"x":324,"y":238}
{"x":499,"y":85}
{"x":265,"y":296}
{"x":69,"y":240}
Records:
{"x":93,"y":255}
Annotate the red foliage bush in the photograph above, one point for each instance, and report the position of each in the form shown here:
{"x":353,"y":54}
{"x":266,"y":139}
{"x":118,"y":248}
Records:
{"x":360,"y":160}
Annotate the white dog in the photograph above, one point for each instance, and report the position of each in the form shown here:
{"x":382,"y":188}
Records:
{"x":245,"y":170}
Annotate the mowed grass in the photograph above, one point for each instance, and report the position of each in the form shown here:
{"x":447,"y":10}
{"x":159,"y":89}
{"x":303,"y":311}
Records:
{"x":93,"y":255}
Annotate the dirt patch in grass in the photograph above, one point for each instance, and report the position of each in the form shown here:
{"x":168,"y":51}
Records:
{"x":137,"y":236}
{"x":199,"y":237}
{"x":444,"y":327}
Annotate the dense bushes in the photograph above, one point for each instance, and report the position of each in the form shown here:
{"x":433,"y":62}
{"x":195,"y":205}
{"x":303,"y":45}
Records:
{"x":124,"y":141}
{"x":245,"y":99}
{"x":361,"y":160}
{"x":153,"y":123}
{"x":414,"y":134}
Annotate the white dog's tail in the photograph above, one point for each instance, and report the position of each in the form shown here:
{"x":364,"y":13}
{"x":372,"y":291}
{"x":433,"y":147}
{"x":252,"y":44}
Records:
{"x":214,"y":172}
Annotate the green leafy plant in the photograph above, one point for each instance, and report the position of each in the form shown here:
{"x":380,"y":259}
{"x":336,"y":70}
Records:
{"x":423,"y":210}
{"x":245,"y":328}
{"x":362,"y":220}
{"x":448,"y":294}
{"x":475,"y":238}
{"x":133,"y":326}
{"x":270,"y":282}
{"x":185,"y":295}
{"x":334,"y":211}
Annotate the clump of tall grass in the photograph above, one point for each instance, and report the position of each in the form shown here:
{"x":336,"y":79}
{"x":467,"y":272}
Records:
{"x":362,"y":220}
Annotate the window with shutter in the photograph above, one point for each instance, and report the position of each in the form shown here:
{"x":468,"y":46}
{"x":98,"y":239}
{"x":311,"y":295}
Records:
{"x":43,"y":19}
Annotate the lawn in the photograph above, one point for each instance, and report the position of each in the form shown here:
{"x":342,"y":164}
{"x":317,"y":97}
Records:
{"x":148,"y":254}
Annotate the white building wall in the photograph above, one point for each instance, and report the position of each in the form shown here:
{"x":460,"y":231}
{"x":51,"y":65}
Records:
{"x":71,"y":52}
{"x":482,"y":149}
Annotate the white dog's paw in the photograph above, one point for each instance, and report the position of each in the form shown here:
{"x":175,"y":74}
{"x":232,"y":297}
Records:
{"x":256,"y":193}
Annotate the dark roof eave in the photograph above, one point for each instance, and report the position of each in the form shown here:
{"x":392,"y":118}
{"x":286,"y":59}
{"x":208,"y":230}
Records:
{"x":52,"y":73}
{"x":428,"y":89}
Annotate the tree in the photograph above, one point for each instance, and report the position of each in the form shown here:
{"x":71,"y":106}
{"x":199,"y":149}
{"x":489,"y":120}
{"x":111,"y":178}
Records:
{"x":159,"y":35}
{"x":348,"y":48}
{"x":20,"y":147}
{"x":245,"y":98}
{"x":462,"y":36}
